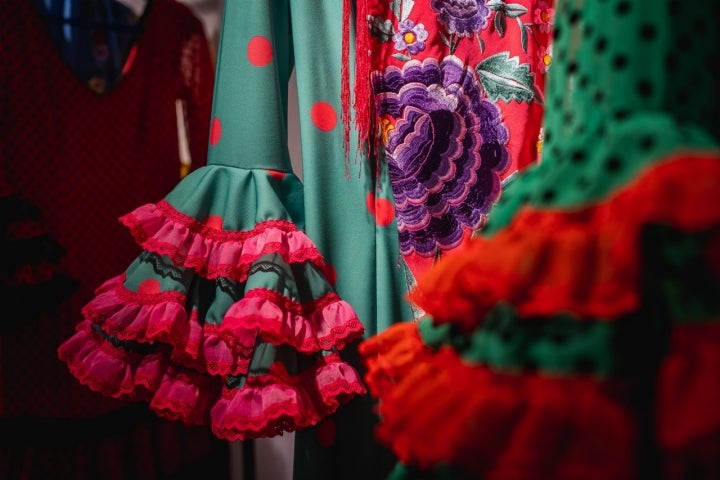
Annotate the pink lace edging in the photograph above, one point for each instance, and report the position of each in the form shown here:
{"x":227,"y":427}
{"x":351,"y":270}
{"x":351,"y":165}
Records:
{"x":265,"y":406}
{"x":223,"y":349}
{"x":212,"y":252}
{"x":288,"y":402}
{"x":325,"y":323}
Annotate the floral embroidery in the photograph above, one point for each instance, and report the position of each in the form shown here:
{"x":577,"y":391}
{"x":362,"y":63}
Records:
{"x":544,"y":59}
{"x":462,"y":17}
{"x":445,"y":151}
{"x":543,"y":17}
{"x":410,"y":37}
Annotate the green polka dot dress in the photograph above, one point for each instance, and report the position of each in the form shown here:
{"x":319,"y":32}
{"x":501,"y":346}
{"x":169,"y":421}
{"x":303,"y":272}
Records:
{"x":578,"y":335}
{"x":244,"y":310}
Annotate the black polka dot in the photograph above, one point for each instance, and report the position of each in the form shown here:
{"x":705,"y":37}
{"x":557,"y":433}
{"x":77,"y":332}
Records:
{"x":525,"y":198}
{"x":613,"y":164}
{"x":648,"y":31}
{"x":548,"y":195}
{"x":645,"y":88}
{"x":568,"y":118}
{"x":547,"y":136}
{"x":647,"y":142}
{"x":674,"y":7}
{"x":671,"y":62}
{"x":558,"y":337}
{"x":556,"y":32}
{"x":572,"y":67}
{"x":621,"y":114}
{"x":623,"y":7}
{"x":699,"y":26}
{"x":600,"y":44}
{"x":598,"y":96}
{"x":619,"y":61}
{"x":583,"y":81}
{"x":574,"y":17}
{"x":577,"y":156}
{"x":507,"y":335}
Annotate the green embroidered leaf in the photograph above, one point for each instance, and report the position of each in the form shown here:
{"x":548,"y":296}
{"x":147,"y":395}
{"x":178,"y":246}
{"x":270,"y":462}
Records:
{"x":505,"y":78}
{"x":514,"y":10}
{"x":500,"y":23}
{"x":407,"y":6}
{"x":395,"y":6}
{"x":523,"y":35}
{"x":401,"y":57}
{"x":381,"y":29}
{"x":495,"y":5}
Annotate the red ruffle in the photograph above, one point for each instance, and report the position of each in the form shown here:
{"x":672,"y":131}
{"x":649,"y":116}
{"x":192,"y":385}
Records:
{"x":585,"y":260}
{"x":275,"y":402}
{"x":224,"y":349}
{"x":688,"y":400}
{"x":325,"y":323}
{"x":390,"y":355}
{"x":265,"y":406}
{"x":161,"y":317}
{"x":507,"y":426}
{"x":212,"y":252}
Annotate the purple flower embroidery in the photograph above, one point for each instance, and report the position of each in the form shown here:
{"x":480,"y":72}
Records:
{"x":462,"y":17}
{"x":410,"y":37}
{"x":445,"y":148}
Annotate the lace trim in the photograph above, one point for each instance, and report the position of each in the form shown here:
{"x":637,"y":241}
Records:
{"x":215,"y":253}
{"x":325,"y":323}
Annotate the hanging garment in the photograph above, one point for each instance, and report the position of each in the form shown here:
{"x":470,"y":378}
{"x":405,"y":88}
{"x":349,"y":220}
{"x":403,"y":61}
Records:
{"x":455,"y":89}
{"x":252,"y":290}
{"x":577,"y":336}
{"x":81,"y":159}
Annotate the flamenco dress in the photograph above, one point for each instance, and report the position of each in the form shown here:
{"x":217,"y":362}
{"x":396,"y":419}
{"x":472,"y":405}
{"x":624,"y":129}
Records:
{"x":228,"y":317}
{"x":577,"y":335}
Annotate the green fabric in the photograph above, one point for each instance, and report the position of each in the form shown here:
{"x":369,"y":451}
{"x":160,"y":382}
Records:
{"x":631,"y":82}
{"x":250,"y":106}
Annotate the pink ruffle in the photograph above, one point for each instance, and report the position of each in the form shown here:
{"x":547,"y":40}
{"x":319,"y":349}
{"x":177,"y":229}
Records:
{"x":214,"y":253}
{"x":328,"y":322}
{"x":161,"y":317}
{"x":265,"y":406}
{"x":276,"y":402}
{"x":112,"y":371}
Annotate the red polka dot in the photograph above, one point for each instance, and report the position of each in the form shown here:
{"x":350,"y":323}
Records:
{"x":149,"y":286}
{"x":259,"y":51}
{"x":215,"y":131}
{"x":325,"y":432}
{"x":323,"y":116}
{"x":381,"y":208}
{"x":215,"y":222}
{"x":276,"y":174}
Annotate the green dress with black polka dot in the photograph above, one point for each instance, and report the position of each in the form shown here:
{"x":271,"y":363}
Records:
{"x":578,"y":335}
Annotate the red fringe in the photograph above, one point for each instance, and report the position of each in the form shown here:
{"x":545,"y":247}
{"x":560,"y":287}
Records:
{"x":363,"y":103}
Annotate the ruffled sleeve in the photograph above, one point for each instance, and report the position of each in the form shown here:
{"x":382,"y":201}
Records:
{"x":229,"y":316}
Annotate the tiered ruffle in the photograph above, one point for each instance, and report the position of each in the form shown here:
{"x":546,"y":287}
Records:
{"x":227,"y":318}
{"x":443,"y":404}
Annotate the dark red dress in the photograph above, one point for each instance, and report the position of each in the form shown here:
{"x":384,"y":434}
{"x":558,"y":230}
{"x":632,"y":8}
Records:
{"x":83,"y":159}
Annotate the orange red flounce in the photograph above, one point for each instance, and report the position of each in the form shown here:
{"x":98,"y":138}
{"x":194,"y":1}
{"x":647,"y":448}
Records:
{"x":583,"y":260}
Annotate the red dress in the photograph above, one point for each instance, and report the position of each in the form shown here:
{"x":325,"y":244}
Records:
{"x":83,"y":159}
